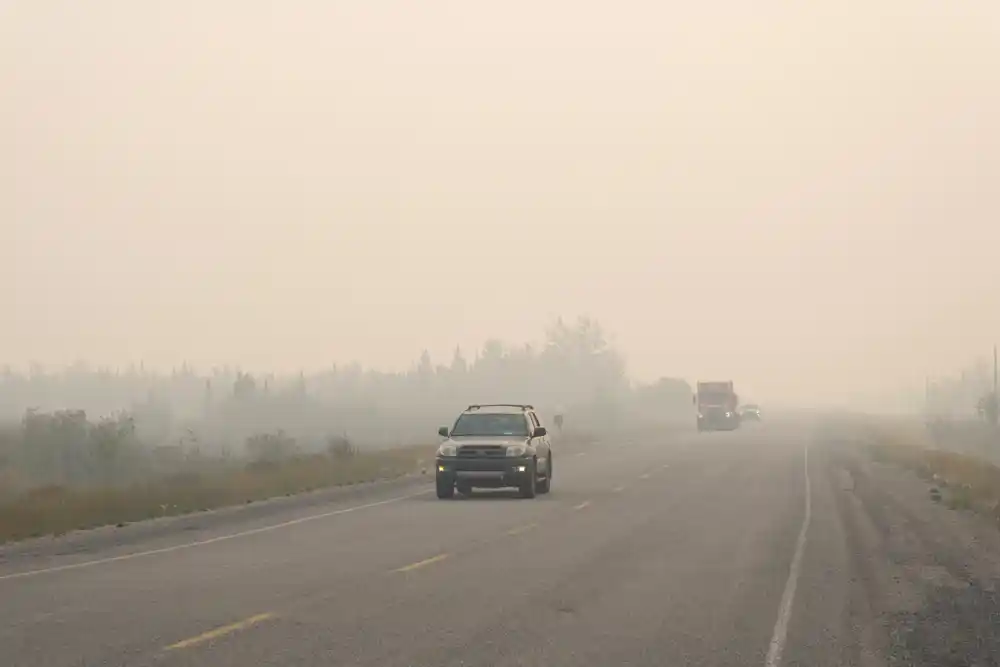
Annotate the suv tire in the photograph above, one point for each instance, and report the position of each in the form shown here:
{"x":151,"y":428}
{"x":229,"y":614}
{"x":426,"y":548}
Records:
{"x":445,"y":490}
{"x":545,"y":485}
{"x":529,"y":487}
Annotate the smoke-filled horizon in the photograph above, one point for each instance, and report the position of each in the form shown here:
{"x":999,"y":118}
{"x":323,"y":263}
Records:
{"x":801,"y":199}
{"x":104,"y":390}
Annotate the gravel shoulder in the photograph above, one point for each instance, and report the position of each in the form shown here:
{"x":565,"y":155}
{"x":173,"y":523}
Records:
{"x":927,"y":575}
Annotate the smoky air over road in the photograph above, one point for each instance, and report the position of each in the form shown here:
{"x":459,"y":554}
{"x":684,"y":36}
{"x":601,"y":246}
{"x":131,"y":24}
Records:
{"x":255,"y":262}
{"x":795,"y":197}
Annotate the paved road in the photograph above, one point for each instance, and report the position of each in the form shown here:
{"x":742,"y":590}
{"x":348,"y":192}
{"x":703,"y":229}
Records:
{"x":682,"y":550}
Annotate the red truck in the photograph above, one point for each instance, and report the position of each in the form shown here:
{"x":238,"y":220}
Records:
{"x":717,"y":404}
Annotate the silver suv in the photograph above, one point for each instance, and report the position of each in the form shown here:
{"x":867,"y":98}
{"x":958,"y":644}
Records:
{"x":494,"y":446}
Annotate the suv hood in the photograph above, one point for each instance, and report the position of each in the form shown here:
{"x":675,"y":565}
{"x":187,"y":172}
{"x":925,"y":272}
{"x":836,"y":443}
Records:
{"x":478,"y":441}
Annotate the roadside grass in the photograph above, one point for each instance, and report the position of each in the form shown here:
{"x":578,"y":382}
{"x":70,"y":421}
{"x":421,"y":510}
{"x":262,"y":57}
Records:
{"x":55,"y":510}
{"x":966,"y":482}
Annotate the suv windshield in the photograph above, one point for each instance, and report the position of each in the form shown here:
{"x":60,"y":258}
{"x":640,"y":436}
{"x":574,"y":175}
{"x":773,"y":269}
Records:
{"x":491,"y":425}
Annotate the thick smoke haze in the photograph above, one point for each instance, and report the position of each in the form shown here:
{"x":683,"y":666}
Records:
{"x":804,"y":198}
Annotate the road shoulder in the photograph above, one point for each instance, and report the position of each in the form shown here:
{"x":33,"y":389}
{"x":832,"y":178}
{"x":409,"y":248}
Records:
{"x":923,"y":578}
{"x":112,"y":541}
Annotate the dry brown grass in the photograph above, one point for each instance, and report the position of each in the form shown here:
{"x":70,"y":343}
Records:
{"x":968,"y":482}
{"x":56,"y":510}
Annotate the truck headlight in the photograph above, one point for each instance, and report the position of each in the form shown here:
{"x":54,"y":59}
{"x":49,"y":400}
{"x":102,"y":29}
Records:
{"x":447,"y":450}
{"x":516,"y":450}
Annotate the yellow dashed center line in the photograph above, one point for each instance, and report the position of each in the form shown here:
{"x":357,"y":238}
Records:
{"x":522,"y":529}
{"x":585,"y":503}
{"x":422,"y":563}
{"x":221,"y":632}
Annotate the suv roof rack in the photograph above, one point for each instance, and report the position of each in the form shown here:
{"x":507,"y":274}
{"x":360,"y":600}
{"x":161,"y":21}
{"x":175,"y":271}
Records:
{"x":501,"y":405}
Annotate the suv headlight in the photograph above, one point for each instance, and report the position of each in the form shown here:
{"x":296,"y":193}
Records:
{"x":448,"y":450}
{"x":516,"y":450}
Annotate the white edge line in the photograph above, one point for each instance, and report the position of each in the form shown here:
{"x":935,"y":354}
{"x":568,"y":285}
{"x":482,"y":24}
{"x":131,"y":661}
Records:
{"x":201,"y":543}
{"x":777,"y":646}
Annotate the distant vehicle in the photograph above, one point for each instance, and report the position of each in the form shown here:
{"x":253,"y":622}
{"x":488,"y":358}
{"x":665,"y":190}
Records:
{"x":751,"y":412}
{"x":717,"y":406}
{"x":494,"y":446}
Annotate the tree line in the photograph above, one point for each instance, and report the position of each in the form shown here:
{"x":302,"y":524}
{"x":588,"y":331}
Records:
{"x":967,"y":393}
{"x":82,"y":425}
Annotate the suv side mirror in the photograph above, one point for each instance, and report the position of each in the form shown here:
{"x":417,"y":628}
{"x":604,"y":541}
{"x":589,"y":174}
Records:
{"x":443,"y":431}
{"x":540,"y":432}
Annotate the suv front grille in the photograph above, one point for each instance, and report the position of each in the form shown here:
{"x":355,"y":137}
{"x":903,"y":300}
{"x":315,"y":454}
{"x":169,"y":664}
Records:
{"x":482,"y":451}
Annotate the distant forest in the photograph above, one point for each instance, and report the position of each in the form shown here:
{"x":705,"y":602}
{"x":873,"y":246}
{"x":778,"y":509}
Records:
{"x":958,"y":395}
{"x":575,"y":372}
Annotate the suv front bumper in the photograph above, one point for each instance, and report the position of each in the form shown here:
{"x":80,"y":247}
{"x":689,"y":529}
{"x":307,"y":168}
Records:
{"x":488,"y":473}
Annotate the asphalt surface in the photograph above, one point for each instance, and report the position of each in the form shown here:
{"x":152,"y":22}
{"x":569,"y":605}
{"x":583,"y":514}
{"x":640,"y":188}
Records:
{"x":691,"y":549}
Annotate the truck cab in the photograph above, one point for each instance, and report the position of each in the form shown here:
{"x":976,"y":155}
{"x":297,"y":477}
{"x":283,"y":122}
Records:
{"x":717,"y":405}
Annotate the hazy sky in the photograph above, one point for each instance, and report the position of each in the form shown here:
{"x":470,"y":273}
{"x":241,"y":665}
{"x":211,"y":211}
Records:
{"x":804,"y":197}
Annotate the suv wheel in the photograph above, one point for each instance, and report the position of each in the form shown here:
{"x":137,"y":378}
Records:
{"x":528,"y":487}
{"x":545,"y":485}
{"x":445,"y":490}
